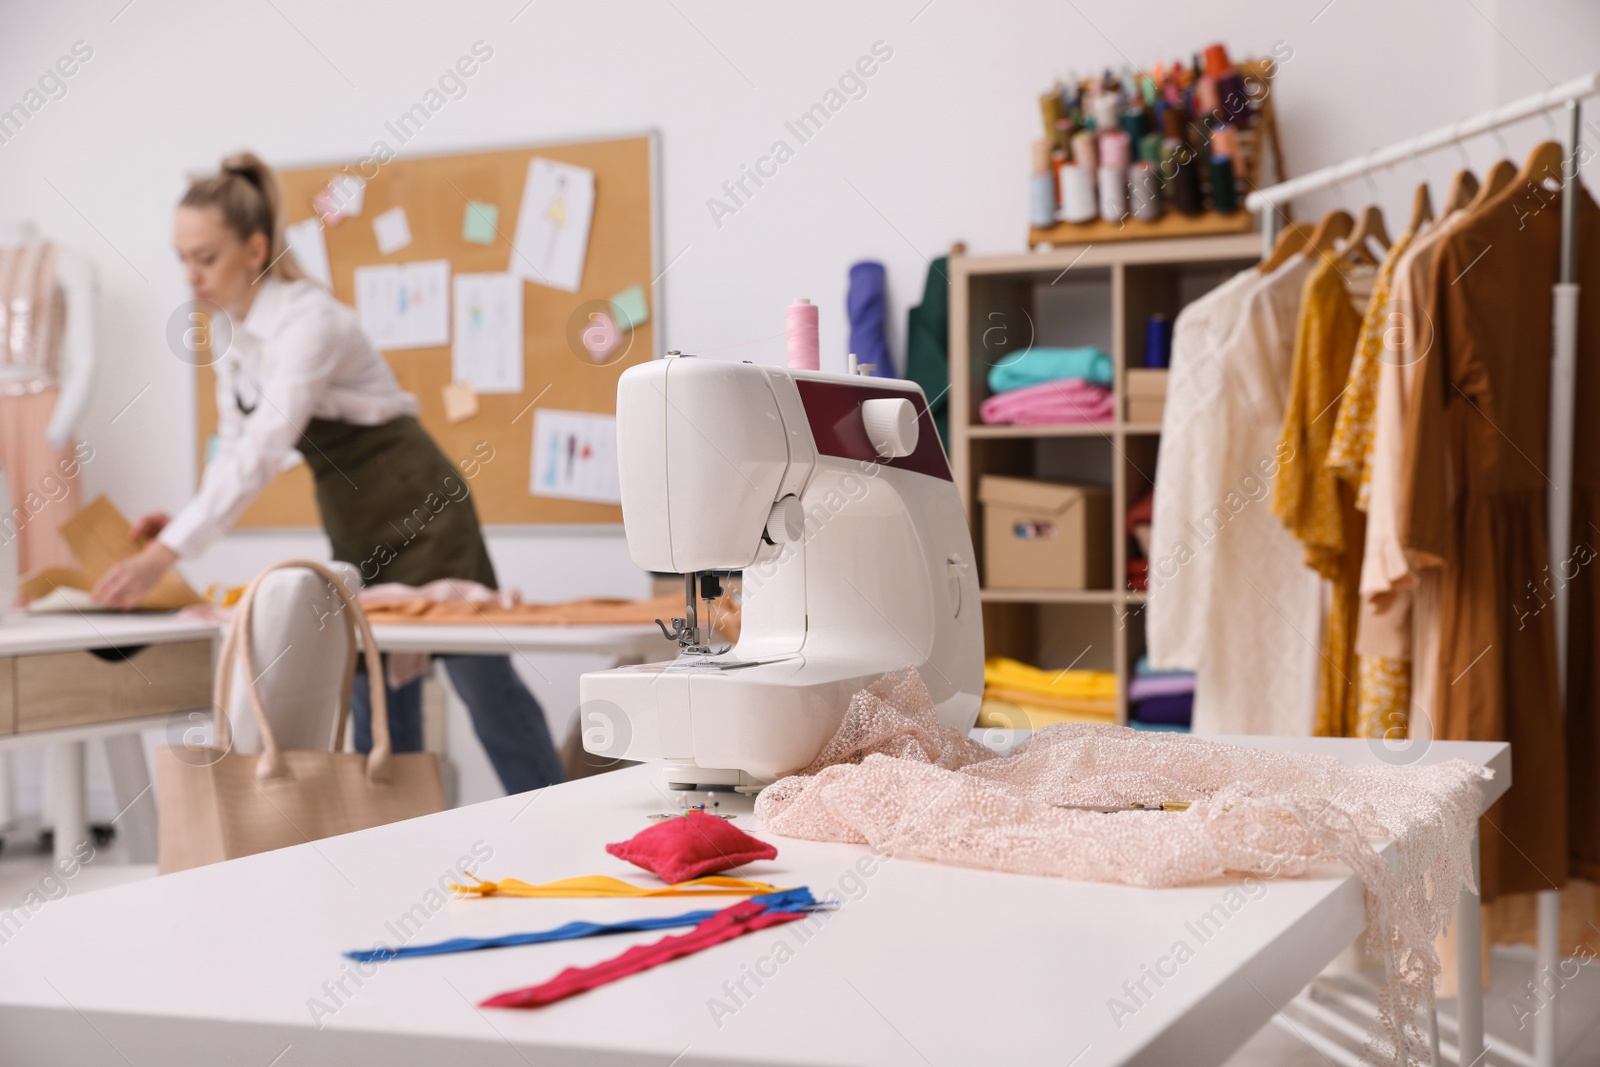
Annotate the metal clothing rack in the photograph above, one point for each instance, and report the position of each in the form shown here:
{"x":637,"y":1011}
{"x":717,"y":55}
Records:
{"x":1563,"y":380}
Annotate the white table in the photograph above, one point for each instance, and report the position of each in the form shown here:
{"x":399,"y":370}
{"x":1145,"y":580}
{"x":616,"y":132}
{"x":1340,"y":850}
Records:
{"x":24,"y":636}
{"x":923,"y":964}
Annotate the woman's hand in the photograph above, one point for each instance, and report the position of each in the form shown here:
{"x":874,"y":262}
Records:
{"x":124,"y":585}
{"x":149,"y":526}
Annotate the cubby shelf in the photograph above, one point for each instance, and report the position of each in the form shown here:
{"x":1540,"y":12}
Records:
{"x":1097,"y":294}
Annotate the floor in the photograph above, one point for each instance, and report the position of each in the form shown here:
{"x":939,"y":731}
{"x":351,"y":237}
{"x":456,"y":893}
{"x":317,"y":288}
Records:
{"x":27,"y":882}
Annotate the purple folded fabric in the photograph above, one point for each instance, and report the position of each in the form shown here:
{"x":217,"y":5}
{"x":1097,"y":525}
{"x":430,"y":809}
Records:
{"x":1174,"y":709}
{"x":1144,"y":687}
{"x":1049,"y":403}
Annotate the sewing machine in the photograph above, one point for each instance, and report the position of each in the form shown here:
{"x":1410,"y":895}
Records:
{"x":833,"y":496}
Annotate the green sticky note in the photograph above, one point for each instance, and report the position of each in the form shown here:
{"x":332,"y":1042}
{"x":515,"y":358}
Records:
{"x":629,"y":308}
{"x":479,"y":225}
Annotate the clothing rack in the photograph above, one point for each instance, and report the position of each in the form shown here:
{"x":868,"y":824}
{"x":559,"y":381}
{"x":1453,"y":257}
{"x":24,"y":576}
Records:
{"x":1563,"y":379}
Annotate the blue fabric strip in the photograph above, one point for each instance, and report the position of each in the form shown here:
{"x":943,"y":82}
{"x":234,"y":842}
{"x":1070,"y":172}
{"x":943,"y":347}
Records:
{"x":787,"y":900}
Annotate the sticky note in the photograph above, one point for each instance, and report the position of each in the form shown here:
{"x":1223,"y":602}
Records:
{"x":479,"y":224}
{"x":342,"y":198}
{"x":392,"y":230}
{"x":630,"y":308}
{"x":460,"y":401}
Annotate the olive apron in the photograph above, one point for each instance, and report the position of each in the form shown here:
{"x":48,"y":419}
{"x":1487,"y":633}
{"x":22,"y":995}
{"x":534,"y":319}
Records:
{"x":393,"y":506}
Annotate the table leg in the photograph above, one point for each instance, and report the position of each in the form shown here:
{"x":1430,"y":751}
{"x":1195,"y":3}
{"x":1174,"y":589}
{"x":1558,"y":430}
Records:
{"x":71,"y":803}
{"x":8,"y":793}
{"x":136,"y":803}
{"x":1469,"y":969}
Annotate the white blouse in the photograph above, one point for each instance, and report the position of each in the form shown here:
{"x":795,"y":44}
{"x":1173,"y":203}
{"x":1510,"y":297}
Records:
{"x":299,"y":354}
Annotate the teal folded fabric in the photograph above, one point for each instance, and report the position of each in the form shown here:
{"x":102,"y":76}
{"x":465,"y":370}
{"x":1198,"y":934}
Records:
{"x":1034,"y":366}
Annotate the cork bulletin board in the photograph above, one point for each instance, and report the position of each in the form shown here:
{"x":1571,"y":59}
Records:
{"x":435,"y":191}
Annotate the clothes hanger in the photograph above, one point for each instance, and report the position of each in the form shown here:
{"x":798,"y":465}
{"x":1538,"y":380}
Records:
{"x":1334,"y":227}
{"x":1499,"y":176}
{"x":1291,"y":240}
{"x":1421,"y":208}
{"x":1370,"y":227}
{"x":1547,"y":161}
{"x":1463,"y":187}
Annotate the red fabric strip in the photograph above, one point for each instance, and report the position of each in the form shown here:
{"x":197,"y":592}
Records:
{"x":727,"y":924}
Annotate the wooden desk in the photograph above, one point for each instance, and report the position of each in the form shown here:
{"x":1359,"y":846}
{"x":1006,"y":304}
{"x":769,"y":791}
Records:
{"x":67,"y":678}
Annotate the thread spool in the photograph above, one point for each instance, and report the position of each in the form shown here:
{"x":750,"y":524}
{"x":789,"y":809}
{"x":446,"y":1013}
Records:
{"x":1224,"y":197}
{"x":1077,"y":193}
{"x":804,"y":353}
{"x":1105,"y":110}
{"x":1115,"y":149}
{"x":1207,"y":101}
{"x":1136,"y":123}
{"x":1145,"y":192}
{"x":1083,"y":151}
{"x":1150,"y":148}
{"x":1041,"y":200}
{"x":1158,"y":341}
{"x":1225,"y":142}
{"x":1113,"y":193}
{"x":1235,"y":98}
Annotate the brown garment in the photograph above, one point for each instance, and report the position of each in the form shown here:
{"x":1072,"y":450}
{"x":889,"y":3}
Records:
{"x":1475,"y":506}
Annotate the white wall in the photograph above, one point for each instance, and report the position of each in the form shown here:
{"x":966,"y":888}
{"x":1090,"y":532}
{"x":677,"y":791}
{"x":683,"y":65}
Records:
{"x":936,"y":150}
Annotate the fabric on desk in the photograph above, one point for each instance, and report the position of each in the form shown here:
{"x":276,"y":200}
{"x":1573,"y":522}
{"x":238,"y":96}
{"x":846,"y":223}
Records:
{"x":1036,"y":366}
{"x":599,"y":885}
{"x":787,"y":900}
{"x":739,"y":919}
{"x":1071,"y":400}
{"x":895,"y":778}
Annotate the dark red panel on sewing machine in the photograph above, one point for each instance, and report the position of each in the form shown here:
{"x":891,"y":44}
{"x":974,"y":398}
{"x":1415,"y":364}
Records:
{"x":834,"y":411}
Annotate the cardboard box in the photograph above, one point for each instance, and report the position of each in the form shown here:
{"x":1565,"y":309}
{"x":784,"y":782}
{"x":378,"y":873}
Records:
{"x":1146,"y":383}
{"x":1045,"y":535}
{"x":1145,"y":410}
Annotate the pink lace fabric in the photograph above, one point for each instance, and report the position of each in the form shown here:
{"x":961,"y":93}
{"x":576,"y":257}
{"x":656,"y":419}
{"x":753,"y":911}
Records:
{"x":895,"y":778}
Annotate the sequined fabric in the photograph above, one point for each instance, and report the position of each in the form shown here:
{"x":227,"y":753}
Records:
{"x":893,"y":777}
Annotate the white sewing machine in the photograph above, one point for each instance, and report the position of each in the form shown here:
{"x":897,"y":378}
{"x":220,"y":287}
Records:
{"x":831,"y":493}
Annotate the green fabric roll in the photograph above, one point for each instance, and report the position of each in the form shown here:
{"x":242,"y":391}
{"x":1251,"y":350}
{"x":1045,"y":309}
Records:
{"x":1034,"y":366}
{"x":928,"y":343}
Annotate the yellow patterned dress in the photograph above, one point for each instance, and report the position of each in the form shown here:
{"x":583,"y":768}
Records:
{"x":1317,"y":506}
{"x":1383,"y":683}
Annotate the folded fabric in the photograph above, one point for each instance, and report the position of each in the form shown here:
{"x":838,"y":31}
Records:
{"x":1002,"y":714}
{"x":1071,"y":400}
{"x":1173,"y":710}
{"x":1142,"y":669}
{"x":1012,"y":674}
{"x":678,"y":849}
{"x":1093,"y":706}
{"x":788,"y":899}
{"x":599,"y":885}
{"x":1168,"y":685}
{"x":1035,"y":365}
{"x":1158,"y":727}
{"x":742,"y":918}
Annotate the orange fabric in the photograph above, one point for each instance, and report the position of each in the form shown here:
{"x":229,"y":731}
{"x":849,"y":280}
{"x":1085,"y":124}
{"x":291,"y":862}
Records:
{"x":42,"y":497}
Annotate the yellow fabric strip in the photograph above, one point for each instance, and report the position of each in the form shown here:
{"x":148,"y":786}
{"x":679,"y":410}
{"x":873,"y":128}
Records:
{"x":599,"y":885}
{"x":1017,"y":715}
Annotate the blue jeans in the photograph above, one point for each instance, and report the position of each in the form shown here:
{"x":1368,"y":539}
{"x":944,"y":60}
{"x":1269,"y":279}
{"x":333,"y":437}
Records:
{"x":507,"y":718}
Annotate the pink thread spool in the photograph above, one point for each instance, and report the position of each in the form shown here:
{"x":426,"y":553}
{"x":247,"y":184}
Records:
{"x":803,"y":349}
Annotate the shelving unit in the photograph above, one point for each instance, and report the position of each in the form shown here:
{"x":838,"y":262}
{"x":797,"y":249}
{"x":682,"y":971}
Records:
{"x":1095,"y":294}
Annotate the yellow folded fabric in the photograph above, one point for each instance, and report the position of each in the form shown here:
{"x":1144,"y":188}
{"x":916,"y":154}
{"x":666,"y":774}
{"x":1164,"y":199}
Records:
{"x":1010,"y":674}
{"x":1010,"y":715}
{"x":599,"y":885}
{"x":1089,"y":705}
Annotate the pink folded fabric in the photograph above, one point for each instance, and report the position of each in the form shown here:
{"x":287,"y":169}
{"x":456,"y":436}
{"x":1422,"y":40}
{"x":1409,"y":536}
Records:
{"x":1067,"y":400}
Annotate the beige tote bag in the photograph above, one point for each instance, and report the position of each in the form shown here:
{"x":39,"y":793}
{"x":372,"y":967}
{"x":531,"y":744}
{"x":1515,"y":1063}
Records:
{"x":216,"y":804}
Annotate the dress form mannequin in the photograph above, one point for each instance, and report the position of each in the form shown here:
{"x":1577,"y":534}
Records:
{"x":62,"y":402}
{"x":41,"y":410}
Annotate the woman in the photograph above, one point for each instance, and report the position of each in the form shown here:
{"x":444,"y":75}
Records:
{"x":298,"y":373}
